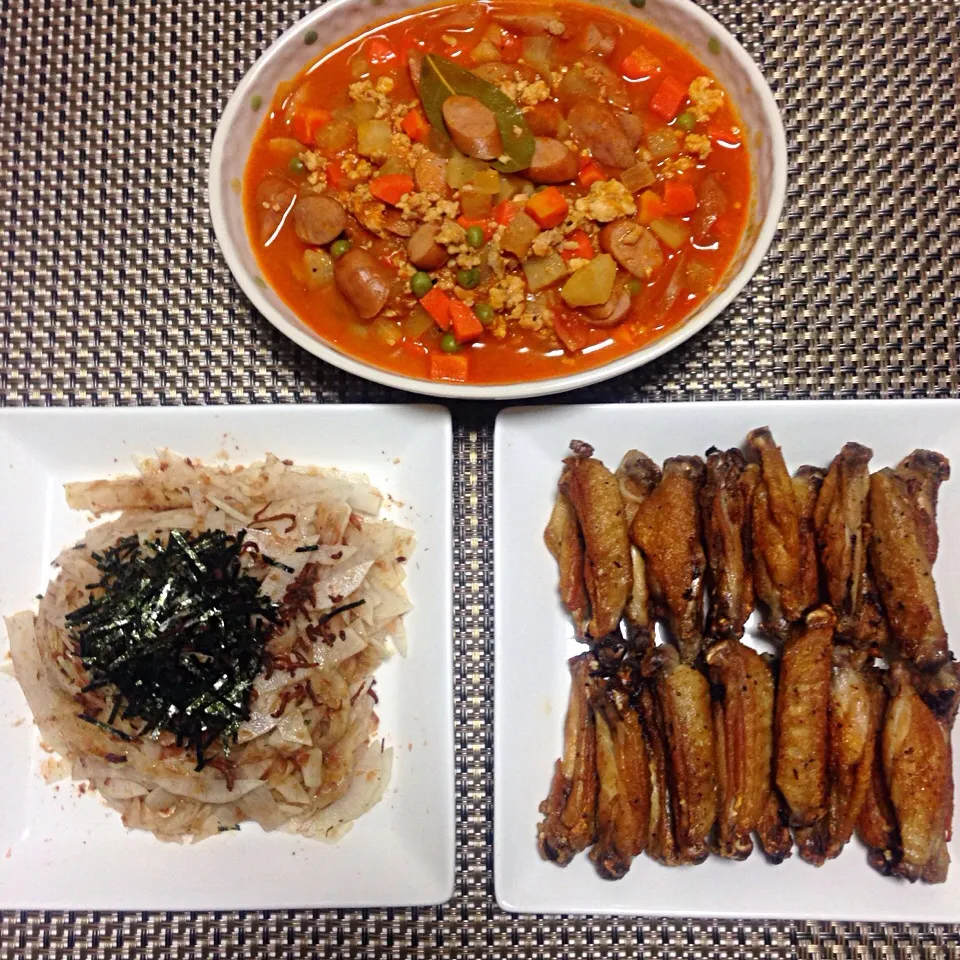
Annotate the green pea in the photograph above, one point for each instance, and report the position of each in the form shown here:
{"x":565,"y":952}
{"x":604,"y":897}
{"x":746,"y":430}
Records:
{"x":420,"y":284}
{"x":296,"y":165}
{"x":468,"y":279}
{"x":339,"y":247}
{"x":686,"y":121}
{"x":713,"y":45}
{"x":255,"y":101}
{"x":633,"y":286}
{"x":448,"y":343}
{"x":485,"y":313}
{"x":310,"y":37}
{"x":475,"y":237}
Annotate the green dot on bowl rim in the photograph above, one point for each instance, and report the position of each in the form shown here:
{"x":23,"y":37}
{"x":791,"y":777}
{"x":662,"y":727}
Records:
{"x":255,"y":101}
{"x":260,"y":282}
{"x":639,"y":4}
{"x":713,"y":45}
{"x":310,"y":37}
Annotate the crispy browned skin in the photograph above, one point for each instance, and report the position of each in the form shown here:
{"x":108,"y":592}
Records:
{"x":773,"y":830}
{"x":666,"y":529}
{"x":661,"y":842}
{"x":564,"y":541}
{"x":743,"y":702}
{"x":623,"y":804}
{"x":917,"y":768}
{"x":853,"y":736}
{"x":684,"y":696}
{"x":806,"y":488}
{"x":569,"y":812}
{"x":775,"y":528}
{"x":877,"y":824}
{"x":903,"y":571}
{"x":842,"y":534}
{"x":725,"y":507}
{"x":595,"y":496}
{"x":922,"y":473}
{"x":803,"y":698}
{"x":637,"y":477}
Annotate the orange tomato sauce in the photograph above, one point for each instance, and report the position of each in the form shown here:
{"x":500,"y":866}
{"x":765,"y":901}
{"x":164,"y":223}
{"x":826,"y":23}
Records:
{"x":522,"y":354}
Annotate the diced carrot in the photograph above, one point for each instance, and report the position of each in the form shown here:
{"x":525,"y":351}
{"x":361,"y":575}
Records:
{"x":415,"y":125}
{"x":391,"y":187}
{"x":668,"y":99}
{"x":505,"y":211}
{"x":379,"y":51}
{"x":639,"y":63}
{"x":335,"y":174}
{"x":448,"y":366}
{"x":651,"y":208}
{"x":307,"y":122}
{"x":724,"y":135}
{"x":590,"y":172}
{"x":437,"y":304}
{"x":468,"y":222}
{"x":548,"y":207}
{"x":679,"y":198}
{"x":571,"y":330}
{"x":510,"y":48}
{"x":466,"y":326}
{"x":413,"y":349}
{"x":584,"y":249}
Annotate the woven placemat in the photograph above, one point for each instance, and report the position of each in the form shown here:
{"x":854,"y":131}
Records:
{"x":113,"y":292}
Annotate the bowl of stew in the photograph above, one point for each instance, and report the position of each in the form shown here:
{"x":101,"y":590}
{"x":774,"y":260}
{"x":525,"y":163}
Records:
{"x":500,"y":199}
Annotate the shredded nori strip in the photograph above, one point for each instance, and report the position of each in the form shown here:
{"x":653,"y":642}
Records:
{"x":309,"y":548}
{"x":327,"y":617}
{"x":275,"y":563}
{"x":177,"y":631}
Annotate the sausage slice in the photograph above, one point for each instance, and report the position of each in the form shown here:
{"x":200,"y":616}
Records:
{"x":612,"y":312}
{"x":318,"y":219}
{"x":543,"y":119}
{"x":552,"y":162}
{"x":599,"y":38}
{"x":473,"y":127}
{"x":364,"y":281}
{"x":423,"y":251}
{"x":632,"y":127}
{"x":430,"y":175}
{"x":596,"y":126}
{"x":633,"y":246}
{"x":274,"y":196}
{"x":532,"y":24}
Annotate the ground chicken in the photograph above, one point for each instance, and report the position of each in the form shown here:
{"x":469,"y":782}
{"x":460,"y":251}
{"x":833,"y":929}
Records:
{"x":705,"y":98}
{"x":698,"y":145}
{"x":674,"y":167}
{"x":607,"y":200}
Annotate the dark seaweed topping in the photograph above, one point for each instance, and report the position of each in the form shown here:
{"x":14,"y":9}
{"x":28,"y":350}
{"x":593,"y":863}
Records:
{"x":327,"y":617}
{"x":176,"y":631}
{"x":309,"y":548}
{"x":275,"y":563}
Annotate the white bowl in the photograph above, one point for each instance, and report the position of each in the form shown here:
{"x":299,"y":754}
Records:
{"x":337,"y":20}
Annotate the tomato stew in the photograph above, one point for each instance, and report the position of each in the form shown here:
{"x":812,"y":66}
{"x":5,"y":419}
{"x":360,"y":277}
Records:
{"x":498,"y":192}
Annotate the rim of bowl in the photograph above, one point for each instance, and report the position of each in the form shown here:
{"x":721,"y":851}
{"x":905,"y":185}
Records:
{"x":320,"y":348}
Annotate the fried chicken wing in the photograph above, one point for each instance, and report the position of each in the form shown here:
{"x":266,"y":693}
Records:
{"x":564,"y":541}
{"x":900,"y":558}
{"x":803,"y":699}
{"x":666,"y":529}
{"x":684,"y":696}
{"x":917,"y":769}
{"x":743,"y":703}
{"x":922,"y":473}
{"x":661,"y":841}
{"x":595,"y":496}
{"x":806,"y":488}
{"x":637,"y":477}
{"x":775,"y":530}
{"x":623,"y":805}
{"x":725,"y":507}
{"x":569,"y":813}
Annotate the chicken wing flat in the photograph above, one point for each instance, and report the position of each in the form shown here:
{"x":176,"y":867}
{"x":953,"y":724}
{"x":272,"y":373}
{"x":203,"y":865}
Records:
{"x":564,"y":541}
{"x":569,"y":813}
{"x":743,"y":704}
{"x":623,"y":804}
{"x":595,"y":496}
{"x":922,"y":473}
{"x":661,"y":839}
{"x":725,"y":502}
{"x":775,"y":532}
{"x":666,"y":529}
{"x":637,"y":477}
{"x":842,"y":534}
{"x":806,"y":488}
{"x":684,"y":696}
{"x":853,"y":736}
{"x":917,"y":769}
{"x":901,"y":564}
{"x":803,"y":703}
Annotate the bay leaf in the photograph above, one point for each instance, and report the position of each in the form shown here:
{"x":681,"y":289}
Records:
{"x":441,"y":78}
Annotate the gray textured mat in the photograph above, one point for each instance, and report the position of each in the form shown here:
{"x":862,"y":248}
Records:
{"x":112,"y":291}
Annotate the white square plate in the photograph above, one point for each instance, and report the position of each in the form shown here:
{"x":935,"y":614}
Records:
{"x":534,"y":638}
{"x":63,"y":850}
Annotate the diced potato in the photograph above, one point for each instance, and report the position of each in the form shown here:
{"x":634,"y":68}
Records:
{"x":538,"y":53}
{"x":318,"y":268}
{"x":335,"y":136}
{"x":541,"y":272}
{"x":591,"y":284}
{"x":374,"y":138}
{"x":417,"y":323}
{"x":486,"y":181}
{"x":356,"y":112}
{"x":699,"y":276}
{"x":387,"y":330}
{"x":393,"y":165}
{"x":510,"y":186}
{"x":576,"y":83}
{"x":484,"y":52}
{"x":284,"y":146}
{"x":359,"y":68}
{"x":519,"y":234}
{"x":475,"y":204}
{"x":638,"y":176}
{"x":663,"y":143}
{"x":672,"y":232}
{"x":461,"y":170}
